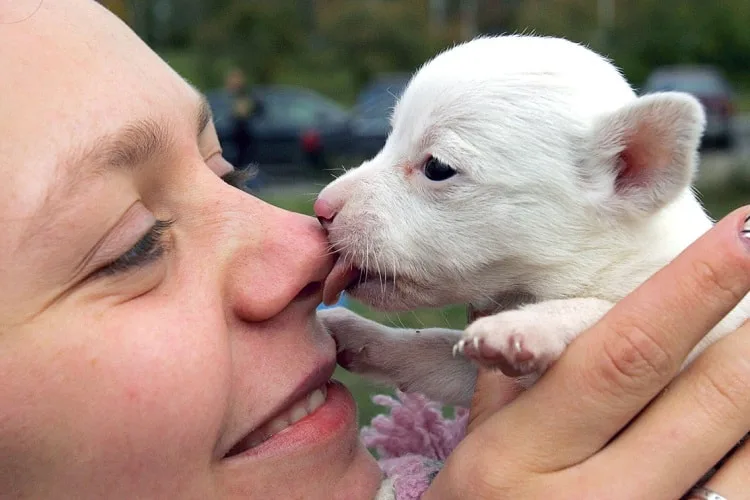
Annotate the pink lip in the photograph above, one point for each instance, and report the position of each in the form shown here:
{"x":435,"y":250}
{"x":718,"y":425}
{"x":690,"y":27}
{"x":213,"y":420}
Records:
{"x":317,"y":378}
{"x":329,"y":422}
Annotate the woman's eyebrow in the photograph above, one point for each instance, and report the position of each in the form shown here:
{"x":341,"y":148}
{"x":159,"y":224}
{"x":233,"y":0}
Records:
{"x":142,"y":141}
{"x":135,"y":144}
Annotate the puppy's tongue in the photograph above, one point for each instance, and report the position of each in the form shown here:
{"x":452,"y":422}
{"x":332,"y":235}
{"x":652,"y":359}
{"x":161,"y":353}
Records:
{"x":341,"y":276}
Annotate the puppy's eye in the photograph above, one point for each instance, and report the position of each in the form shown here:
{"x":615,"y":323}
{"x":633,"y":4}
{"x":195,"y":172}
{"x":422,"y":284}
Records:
{"x":436,"y":170}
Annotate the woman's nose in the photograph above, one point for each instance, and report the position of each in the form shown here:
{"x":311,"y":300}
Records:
{"x":289,"y":260}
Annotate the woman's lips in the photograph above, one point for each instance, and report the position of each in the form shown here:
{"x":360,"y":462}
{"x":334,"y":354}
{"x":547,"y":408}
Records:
{"x":299,"y":410}
{"x":307,"y":398}
{"x":329,"y":418}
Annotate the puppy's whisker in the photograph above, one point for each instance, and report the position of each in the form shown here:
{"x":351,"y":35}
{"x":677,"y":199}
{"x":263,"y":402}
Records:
{"x":393,"y":260}
{"x":328,"y":253}
{"x":419,"y":320}
{"x":390,"y":320}
{"x":445,"y":318}
{"x":333,"y":249}
{"x":401,"y":321}
{"x":381,"y":278}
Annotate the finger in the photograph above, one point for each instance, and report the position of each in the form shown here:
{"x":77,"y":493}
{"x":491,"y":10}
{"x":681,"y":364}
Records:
{"x":616,"y":367}
{"x":701,"y":416}
{"x":493,"y":391}
{"x":732,"y":480}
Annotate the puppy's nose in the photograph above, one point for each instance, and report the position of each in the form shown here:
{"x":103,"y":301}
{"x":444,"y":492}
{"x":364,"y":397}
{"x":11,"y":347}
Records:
{"x":325,"y":212}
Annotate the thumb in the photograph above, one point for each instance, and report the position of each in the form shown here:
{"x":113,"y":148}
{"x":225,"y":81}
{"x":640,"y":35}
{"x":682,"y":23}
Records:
{"x":493,"y":389}
{"x":492,"y":392}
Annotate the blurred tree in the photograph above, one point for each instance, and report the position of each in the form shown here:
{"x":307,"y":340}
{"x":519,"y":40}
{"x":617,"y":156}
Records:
{"x":650,"y":33}
{"x":574,"y":19}
{"x":121,"y":8}
{"x":498,"y":16}
{"x":660,"y":32}
{"x":257,"y":36}
{"x":338,"y":45}
{"x":378,"y":36}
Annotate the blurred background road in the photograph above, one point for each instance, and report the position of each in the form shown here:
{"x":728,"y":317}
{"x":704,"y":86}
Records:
{"x":303,"y":88}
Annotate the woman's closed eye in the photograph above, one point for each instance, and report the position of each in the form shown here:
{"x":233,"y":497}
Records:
{"x":150,"y":248}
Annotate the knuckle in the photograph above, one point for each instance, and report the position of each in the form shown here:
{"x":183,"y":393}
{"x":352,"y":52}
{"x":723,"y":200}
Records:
{"x":467,"y":474}
{"x":481,"y":469}
{"x":722,"y":387}
{"x":718,"y":397}
{"x":490,"y":483}
{"x":634,"y":357}
{"x":712,"y":284}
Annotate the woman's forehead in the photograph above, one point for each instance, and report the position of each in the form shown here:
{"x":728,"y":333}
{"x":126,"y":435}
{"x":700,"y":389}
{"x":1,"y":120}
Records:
{"x":75,"y":72}
{"x":69,"y":54}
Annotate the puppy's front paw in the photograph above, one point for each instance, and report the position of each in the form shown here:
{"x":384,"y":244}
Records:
{"x":517,"y":342}
{"x":411,"y":360}
{"x":362,"y":345}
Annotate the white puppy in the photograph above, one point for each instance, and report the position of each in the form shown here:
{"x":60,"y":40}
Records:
{"x":522,"y":176}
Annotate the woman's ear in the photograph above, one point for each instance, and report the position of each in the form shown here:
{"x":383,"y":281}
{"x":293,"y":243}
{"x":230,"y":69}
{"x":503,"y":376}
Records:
{"x":642,"y":156}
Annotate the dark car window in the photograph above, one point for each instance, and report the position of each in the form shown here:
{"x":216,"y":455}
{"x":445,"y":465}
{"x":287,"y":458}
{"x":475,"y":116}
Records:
{"x":378,"y":100}
{"x":694,"y":83}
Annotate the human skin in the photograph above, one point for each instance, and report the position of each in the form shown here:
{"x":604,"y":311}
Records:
{"x":136,"y":383}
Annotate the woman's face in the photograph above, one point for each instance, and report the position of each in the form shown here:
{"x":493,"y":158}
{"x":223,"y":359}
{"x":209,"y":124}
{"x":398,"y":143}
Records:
{"x":156,"y":324}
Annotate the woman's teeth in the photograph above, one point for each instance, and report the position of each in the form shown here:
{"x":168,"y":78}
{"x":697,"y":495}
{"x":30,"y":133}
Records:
{"x":300,"y":410}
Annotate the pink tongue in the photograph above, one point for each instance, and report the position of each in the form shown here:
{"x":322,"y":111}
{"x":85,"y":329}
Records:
{"x":338,"y":279}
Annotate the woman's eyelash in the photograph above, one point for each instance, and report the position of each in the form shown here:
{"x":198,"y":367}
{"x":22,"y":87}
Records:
{"x":147,"y":250}
{"x":151,"y":246}
{"x":240,"y":177}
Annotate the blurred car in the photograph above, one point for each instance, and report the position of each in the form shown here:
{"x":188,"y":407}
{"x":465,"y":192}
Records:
{"x":370,"y":118}
{"x":708,"y":85}
{"x":293,"y":126}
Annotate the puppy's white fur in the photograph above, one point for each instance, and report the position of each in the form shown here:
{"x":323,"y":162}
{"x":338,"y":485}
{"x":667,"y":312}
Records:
{"x":570,"y":191}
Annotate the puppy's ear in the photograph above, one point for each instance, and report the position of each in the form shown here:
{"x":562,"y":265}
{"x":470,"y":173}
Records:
{"x":642,"y":156}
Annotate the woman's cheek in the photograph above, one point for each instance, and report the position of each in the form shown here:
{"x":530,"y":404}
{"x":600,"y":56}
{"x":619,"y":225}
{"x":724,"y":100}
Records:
{"x":180,"y":356}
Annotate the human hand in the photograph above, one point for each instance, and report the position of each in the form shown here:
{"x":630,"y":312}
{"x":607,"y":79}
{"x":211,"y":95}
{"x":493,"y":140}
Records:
{"x":611,"y":419}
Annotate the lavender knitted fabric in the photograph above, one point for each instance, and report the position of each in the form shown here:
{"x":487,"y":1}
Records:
{"x":413,"y":440}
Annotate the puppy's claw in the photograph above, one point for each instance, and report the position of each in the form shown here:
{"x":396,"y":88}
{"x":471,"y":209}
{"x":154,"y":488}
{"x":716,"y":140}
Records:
{"x":458,"y":347}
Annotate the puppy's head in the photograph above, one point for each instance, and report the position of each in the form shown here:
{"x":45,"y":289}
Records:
{"x":507,"y":156}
